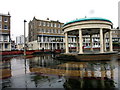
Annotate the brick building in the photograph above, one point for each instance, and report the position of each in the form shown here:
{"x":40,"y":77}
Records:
{"x":45,"y":34}
{"x":5,"y":40}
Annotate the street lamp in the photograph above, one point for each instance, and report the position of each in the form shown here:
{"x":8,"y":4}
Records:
{"x":24,"y":39}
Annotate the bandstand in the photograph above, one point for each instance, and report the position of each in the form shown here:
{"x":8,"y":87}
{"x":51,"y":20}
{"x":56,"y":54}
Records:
{"x":89,"y":26}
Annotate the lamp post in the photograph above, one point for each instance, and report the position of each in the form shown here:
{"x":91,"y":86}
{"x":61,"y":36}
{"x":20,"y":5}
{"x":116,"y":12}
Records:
{"x":24,"y":39}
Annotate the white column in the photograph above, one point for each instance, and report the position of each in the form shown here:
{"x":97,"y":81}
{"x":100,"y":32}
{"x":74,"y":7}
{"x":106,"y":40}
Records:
{"x":42,"y":39}
{"x":91,"y":44}
{"x":66,"y":43}
{"x":48,"y":45}
{"x":56,"y":46}
{"x":3,"y":46}
{"x":38,"y":45}
{"x":104,"y":42}
{"x":59,"y":45}
{"x":45,"y":45}
{"x":77,"y":44}
{"x":38,"y":38}
{"x":80,"y":41}
{"x":101,"y":40}
{"x":110,"y":41}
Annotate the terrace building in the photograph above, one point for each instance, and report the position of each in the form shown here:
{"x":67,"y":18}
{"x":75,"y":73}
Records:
{"x":116,"y":35}
{"x":45,"y":34}
{"x":5,"y":40}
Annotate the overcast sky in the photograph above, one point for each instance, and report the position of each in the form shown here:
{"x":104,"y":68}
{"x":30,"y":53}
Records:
{"x":62,"y":10}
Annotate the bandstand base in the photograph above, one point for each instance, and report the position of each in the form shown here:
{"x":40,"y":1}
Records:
{"x":91,"y":56}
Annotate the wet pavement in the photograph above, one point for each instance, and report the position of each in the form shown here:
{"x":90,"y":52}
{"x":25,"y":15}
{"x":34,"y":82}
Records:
{"x":43,"y":71}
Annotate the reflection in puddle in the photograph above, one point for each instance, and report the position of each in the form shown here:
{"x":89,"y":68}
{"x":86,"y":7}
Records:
{"x":45,"y":72}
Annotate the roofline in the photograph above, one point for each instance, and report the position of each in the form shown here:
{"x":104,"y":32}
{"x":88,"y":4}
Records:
{"x":49,"y":20}
{"x":4,"y":14}
{"x":87,"y":19}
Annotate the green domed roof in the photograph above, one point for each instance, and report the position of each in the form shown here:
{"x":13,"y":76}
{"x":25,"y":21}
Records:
{"x":87,"y":19}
